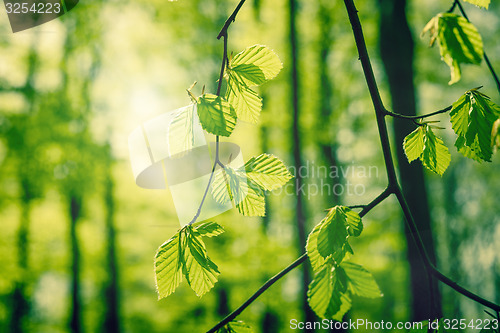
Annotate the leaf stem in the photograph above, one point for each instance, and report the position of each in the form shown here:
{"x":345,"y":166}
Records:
{"x":403,"y":116}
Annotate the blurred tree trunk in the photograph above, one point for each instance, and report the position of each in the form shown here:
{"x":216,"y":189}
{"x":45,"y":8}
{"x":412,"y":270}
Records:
{"x":326,"y":141}
{"x":300,"y":214}
{"x":26,"y":178}
{"x":396,"y":47}
{"x":111,"y":292}
{"x":455,"y":233}
{"x":75,"y":207}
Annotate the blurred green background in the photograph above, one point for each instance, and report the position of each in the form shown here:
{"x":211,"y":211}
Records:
{"x":78,"y":237}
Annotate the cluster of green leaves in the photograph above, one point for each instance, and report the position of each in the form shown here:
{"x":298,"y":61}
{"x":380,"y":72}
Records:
{"x":335,"y":279}
{"x":184,"y":255}
{"x":474,"y":118}
{"x":245,"y":186}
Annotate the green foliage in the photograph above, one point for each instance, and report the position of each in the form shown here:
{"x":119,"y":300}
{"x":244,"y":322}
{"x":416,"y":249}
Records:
{"x":480,"y":3}
{"x":180,"y":137}
{"x":459,"y":41}
{"x":236,"y":327}
{"x":185,"y":255}
{"x":245,"y":186}
{"x":252,"y":67}
{"x":335,"y":281}
{"x":430,"y":149}
{"x":473,"y":117}
{"x":216,"y":115}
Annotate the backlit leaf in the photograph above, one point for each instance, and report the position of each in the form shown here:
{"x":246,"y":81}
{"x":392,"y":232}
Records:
{"x":216,"y":115}
{"x":255,"y":65}
{"x":244,"y":100}
{"x":267,"y":171}
{"x":414,"y":144}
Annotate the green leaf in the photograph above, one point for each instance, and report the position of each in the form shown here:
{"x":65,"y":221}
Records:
{"x":233,"y":185}
{"x":333,"y":232}
{"x":267,"y":171}
{"x":255,"y":65}
{"x":316,"y":259}
{"x":200,"y":272}
{"x":236,"y":327}
{"x":473,"y":117}
{"x":208,"y":229}
{"x":459,"y":41}
{"x":168,"y":262}
{"x":360,"y":281}
{"x":353,"y":220}
{"x":436,"y":156}
{"x":479,"y":3}
{"x":245,"y":101}
{"x":327,"y":293}
{"x":414,"y":144}
{"x":216,"y":115}
{"x":185,"y":254}
{"x":180,"y":138}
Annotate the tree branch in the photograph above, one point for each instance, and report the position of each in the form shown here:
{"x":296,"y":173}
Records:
{"x":393,"y":183}
{"x":230,"y":20}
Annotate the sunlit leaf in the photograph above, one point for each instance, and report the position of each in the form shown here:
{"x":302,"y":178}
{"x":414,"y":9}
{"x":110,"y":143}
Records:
{"x":255,"y":65}
{"x":244,"y":100}
{"x":353,"y":221}
{"x":435,"y":156}
{"x":323,"y":294}
{"x":233,"y":185}
{"x":360,"y":281}
{"x":216,"y":115}
{"x":180,"y":138}
{"x":168,"y":263}
{"x":185,"y":254}
{"x":414,"y":144}
{"x":459,"y":41}
{"x":200,"y":272}
{"x":472,"y":117}
{"x":479,"y":3}
{"x":315,"y":258}
{"x":267,"y":171}
{"x":333,"y":232}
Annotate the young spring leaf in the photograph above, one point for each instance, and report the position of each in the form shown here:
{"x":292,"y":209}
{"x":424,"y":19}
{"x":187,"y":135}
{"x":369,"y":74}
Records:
{"x":180,"y":138}
{"x":360,"y":282}
{"x":327,"y":293}
{"x":185,"y":254}
{"x":336,"y":227}
{"x":472,"y":117}
{"x":255,"y":65}
{"x":479,"y":3}
{"x":414,"y":144}
{"x":168,"y":264}
{"x":430,"y":149}
{"x":436,"y":156}
{"x":245,"y":101}
{"x":236,"y":327}
{"x":267,"y":171}
{"x":200,"y":272}
{"x":459,"y":41}
{"x":216,"y":115}
{"x":232,"y":185}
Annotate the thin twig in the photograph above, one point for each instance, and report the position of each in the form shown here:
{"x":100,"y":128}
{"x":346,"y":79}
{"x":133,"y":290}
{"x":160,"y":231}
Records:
{"x":262,"y":289}
{"x":490,"y":66}
{"x":403,"y":116}
{"x":230,"y":20}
